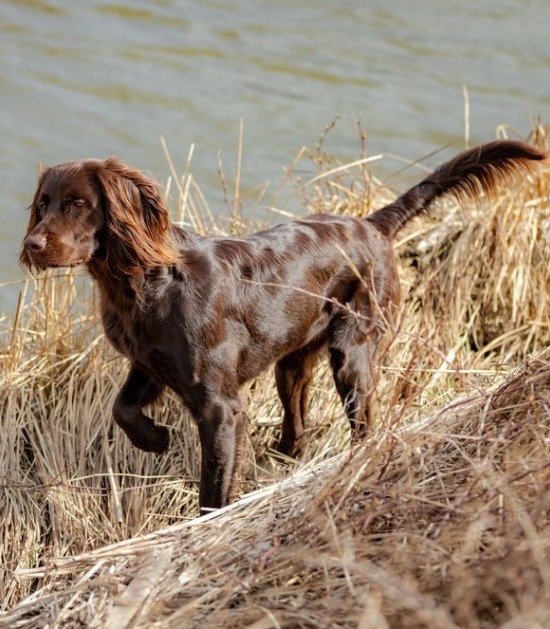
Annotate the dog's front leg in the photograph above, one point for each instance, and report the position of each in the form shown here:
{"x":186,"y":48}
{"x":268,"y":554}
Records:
{"x":221,"y":430}
{"x":139,"y":390}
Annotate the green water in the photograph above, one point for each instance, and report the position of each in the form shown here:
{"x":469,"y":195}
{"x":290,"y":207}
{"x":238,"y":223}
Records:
{"x":91,"y":78}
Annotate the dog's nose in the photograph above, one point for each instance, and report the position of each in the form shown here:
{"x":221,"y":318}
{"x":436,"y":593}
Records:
{"x":36,"y":242}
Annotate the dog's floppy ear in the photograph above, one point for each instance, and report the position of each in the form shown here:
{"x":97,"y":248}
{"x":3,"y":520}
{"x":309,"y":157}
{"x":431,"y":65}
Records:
{"x":137,"y":220}
{"x":34,"y":219}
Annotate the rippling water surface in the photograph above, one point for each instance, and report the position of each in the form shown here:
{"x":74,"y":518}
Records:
{"x":92,"y":78}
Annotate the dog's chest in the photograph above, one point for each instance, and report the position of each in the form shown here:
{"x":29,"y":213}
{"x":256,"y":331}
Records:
{"x":123,"y":330}
{"x":161,"y":344}
{"x":133,"y":327}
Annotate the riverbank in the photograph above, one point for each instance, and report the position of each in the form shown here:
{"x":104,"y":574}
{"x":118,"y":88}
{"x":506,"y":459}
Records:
{"x":439,"y":520}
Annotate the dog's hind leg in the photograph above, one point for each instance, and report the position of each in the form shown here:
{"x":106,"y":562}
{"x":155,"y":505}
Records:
{"x":352,"y":349}
{"x":293,"y":375}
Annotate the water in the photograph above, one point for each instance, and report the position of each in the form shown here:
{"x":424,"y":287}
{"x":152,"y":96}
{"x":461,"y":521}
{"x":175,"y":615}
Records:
{"x":93,"y":78}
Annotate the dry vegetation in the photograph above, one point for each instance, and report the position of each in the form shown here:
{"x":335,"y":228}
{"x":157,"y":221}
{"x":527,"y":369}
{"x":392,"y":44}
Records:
{"x":441,"y":519}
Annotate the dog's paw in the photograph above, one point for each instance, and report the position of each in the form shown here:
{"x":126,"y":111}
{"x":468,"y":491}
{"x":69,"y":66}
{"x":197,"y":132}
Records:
{"x":150,"y":438}
{"x":160,"y":440}
{"x":290,"y":449}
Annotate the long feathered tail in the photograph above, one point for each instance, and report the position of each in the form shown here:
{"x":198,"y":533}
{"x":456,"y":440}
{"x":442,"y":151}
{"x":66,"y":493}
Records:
{"x":483,"y":169}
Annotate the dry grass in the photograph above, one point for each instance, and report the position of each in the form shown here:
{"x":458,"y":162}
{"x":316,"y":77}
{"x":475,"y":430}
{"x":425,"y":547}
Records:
{"x":441,"y":519}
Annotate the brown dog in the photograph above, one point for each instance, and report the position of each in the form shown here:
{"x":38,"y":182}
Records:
{"x":205,"y":315}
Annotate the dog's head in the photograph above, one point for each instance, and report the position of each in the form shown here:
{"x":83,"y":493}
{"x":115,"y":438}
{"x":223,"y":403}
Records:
{"x":95,"y":209}
{"x":66,"y":219}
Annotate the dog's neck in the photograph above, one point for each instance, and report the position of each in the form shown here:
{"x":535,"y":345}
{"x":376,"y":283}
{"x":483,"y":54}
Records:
{"x":130,"y":292}
{"x":114,"y":287}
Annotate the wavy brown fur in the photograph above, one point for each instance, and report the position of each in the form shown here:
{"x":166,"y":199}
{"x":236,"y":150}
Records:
{"x":138,"y":240}
{"x":482,"y":169}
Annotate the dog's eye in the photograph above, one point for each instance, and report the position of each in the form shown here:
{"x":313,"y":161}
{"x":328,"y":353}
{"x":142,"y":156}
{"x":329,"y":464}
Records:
{"x":73,"y":204}
{"x":42,"y":208}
